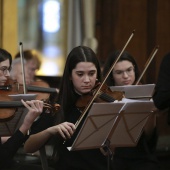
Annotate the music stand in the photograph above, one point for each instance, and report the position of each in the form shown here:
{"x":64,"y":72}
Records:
{"x":136,"y":91}
{"x":110,"y":125}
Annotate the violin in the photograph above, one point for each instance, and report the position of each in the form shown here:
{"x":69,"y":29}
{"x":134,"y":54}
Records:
{"x":104,"y":95}
{"x":41,"y":88}
{"x":8,"y":109}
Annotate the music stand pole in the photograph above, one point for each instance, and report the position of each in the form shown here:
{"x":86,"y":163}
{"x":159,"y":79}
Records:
{"x":107,"y":152}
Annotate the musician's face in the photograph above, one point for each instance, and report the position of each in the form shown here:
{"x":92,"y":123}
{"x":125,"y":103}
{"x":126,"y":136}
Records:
{"x":4,"y":72}
{"x":84,"y":77}
{"x":123,"y":73}
{"x":18,"y":75}
{"x":31,"y":68}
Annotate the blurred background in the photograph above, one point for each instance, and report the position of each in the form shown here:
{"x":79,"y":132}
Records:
{"x":54,"y":27}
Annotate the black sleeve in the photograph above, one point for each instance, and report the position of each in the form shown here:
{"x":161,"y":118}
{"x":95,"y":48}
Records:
{"x":10,"y":147}
{"x":161,"y":96}
{"x":42,"y":123}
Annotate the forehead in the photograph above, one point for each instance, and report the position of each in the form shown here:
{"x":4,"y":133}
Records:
{"x":5,"y":63}
{"x":121,"y":65}
{"x":31,"y":63}
{"x":83,"y":66}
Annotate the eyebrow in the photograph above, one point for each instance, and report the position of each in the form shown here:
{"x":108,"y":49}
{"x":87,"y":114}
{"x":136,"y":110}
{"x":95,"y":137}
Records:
{"x":83,"y":70}
{"x":4,"y":67}
{"x":125,"y":69}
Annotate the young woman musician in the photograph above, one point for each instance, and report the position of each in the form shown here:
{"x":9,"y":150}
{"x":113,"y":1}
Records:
{"x":141,"y":157}
{"x":35,"y":107}
{"x":81,"y":72}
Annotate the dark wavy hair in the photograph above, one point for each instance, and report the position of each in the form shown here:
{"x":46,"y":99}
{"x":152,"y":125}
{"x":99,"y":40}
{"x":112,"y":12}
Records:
{"x":4,"y":55}
{"x":112,"y":58}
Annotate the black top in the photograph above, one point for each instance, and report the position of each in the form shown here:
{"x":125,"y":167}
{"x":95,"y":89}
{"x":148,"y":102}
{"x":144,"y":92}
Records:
{"x":10,"y":147}
{"x":72,"y":160}
{"x":161,"y":96}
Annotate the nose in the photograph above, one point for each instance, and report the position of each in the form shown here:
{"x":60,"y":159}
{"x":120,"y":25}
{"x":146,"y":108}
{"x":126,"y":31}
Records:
{"x":125,"y":74}
{"x":7,"y":73}
{"x":86,"y":78}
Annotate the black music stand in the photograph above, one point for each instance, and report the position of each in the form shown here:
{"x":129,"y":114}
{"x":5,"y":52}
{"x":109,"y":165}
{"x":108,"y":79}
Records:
{"x":110,"y":125}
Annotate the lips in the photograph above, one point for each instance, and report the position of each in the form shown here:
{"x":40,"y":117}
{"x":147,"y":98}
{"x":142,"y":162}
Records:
{"x":86,"y":87}
{"x":126,"y":82}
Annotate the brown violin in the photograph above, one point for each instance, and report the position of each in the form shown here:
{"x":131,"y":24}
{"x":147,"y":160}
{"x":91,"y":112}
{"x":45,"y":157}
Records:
{"x":9,"y":107}
{"x":39,"y":87}
{"x":104,"y":95}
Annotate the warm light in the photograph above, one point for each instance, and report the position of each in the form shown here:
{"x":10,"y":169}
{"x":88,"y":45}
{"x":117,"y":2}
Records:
{"x":51,"y":16}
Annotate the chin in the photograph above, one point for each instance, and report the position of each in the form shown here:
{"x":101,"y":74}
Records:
{"x":85,"y":91}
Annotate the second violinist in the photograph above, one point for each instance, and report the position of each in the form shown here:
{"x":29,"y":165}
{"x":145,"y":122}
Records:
{"x":141,"y":157}
{"x":35,"y":85}
{"x":82,"y":69}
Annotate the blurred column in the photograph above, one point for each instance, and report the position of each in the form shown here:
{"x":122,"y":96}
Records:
{"x":89,"y":24}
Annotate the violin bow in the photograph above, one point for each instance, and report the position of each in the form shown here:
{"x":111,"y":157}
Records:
{"x":152,"y":55}
{"x":22,"y":65}
{"x":102,"y":83}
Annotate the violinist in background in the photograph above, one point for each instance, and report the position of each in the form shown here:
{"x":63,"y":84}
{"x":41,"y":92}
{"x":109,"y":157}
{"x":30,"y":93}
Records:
{"x":16,"y":72}
{"x":10,"y":147}
{"x":32,"y":65}
{"x":81,"y":72}
{"x":33,"y":62}
{"x":141,"y":157}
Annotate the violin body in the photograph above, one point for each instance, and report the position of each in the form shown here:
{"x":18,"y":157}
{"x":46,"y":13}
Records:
{"x":8,"y":107}
{"x":104,"y":95}
{"x":39,"y":87}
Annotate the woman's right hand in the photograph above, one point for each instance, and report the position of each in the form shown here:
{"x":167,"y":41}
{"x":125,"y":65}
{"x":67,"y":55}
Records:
{"x":65,"y":130}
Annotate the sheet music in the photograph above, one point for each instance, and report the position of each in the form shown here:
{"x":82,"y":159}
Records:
{"x":121,"y":123}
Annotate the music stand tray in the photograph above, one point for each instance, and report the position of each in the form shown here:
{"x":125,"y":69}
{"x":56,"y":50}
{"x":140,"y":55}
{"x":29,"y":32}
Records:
{"x":119,"y":123}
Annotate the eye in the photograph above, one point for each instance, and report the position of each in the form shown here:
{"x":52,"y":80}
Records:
{"x":4,"y":68}
{"x":130,"y":69}
{"x":80,"y":74}
{"x":92,"y":73}
{"x":118,"y":72}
